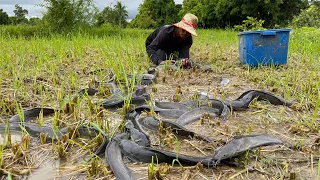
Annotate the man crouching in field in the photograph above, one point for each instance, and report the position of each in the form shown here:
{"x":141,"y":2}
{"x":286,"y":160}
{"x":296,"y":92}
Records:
{"x":164,"y":41}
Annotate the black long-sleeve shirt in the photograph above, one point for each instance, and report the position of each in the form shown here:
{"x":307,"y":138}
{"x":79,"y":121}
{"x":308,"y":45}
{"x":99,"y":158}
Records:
{"x":163,"y":38}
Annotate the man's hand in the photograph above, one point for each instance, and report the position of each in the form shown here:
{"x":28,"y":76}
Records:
{"x":186,"y":63}
{"x":168,"y":62}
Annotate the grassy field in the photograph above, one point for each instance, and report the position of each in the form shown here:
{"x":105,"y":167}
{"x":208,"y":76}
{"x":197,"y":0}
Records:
{"x":45,"y":71}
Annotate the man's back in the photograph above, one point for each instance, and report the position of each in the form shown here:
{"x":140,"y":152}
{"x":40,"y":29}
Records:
{"x":164,"y":39}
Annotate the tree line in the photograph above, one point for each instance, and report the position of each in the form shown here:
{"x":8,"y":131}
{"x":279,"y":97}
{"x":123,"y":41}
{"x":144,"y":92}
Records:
{"x":18,"y":18}
{"x":224,"y":13}
{"x":66,"y":15}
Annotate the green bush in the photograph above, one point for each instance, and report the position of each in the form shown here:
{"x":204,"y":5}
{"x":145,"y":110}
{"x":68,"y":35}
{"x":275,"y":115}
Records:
{"x":250,"y":23}
{"x":308,"y":18}
{"x":64,"y":16}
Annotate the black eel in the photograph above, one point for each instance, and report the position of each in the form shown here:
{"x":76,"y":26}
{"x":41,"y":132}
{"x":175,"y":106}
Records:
{"x":118,"y":101}
{"x":195,"y":114}
{"x":170,"y":105}
{"x":16,"y":124}
{"x":113,"y":157}
{"x":102,"y":148}
{"x":165,"y":113}
{"x":89,"y":91}
{"x":245,"y":99}
{"x":240,"y":103}
{"x":240,"y":144}
{"x":34,"y":130}
{"x":138,"y":97}
{"x":32,"y":113}
{"x":147,"y":79}
{"x":233,"y":148}
{"x":152,"y":123}
{"x":133,"y":116}
{"x":139,"y":137}
{"x":223,"y":110}
{"x":139,"y":153}
{"x":121,"y":145}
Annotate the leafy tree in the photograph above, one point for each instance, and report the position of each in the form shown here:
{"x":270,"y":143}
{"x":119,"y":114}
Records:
{"x":105,"y":16}
{"x":19,"y":12}
{"x":165,"y":12}
{"x":67,"y":15}
{"x":191,"y":6}
{"x":12,"y":20}
{"x":143,"y":20}
{"x":263,"y":9}
{"x":309,"y":17}
{"x":34,"y":21}
{"x":20,"y":15}
{"x":222,"y":13}
{"x":4,"y":18}
{"x":121,"y":14}
{"x":115,"y":16}
{"x":144,"y":12}
{"x":159,"y":11}
{"x":289,"y":9}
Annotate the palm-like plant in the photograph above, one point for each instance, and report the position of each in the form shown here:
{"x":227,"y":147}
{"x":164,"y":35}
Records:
{"x":121,"y":12}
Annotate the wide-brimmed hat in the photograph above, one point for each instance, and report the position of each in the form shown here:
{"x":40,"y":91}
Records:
{"x":189,"y":23}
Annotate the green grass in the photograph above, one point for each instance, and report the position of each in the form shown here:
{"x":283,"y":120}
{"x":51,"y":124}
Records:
{"x":53,"y":59}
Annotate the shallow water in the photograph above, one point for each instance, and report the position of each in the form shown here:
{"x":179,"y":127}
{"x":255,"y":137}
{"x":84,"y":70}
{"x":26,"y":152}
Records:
{"x":15,"y":137}
{"x":47,"y":170}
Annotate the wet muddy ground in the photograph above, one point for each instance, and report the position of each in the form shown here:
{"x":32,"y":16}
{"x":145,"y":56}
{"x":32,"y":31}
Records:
{"x":296,"y":159}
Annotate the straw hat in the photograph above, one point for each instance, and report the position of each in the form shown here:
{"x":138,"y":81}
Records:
{"x":189,"y":23}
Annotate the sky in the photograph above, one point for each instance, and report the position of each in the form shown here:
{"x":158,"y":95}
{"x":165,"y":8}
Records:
{"x":36,"y":11}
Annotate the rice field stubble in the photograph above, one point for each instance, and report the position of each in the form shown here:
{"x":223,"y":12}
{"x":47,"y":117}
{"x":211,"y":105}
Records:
{"x":46,"y":72}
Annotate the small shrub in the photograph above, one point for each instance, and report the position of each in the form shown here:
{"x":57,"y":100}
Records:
{"x":250,"y":23}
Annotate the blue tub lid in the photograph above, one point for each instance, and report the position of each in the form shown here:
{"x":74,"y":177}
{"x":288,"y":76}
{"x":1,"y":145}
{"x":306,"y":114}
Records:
{"x":265,"y":31}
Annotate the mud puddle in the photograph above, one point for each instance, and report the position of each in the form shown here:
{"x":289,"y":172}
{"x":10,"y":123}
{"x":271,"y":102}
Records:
{"x":15,"y":137}
{"x":49,"y":169}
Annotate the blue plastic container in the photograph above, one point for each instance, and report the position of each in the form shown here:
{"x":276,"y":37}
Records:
{"x":264,"y":47}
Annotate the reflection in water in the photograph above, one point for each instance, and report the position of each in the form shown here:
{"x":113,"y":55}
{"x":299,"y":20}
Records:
{"x":15,"y":137}
{"x":49,"y":169}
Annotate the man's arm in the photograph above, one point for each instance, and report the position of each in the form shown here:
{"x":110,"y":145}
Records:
{"x":160,"y":39}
